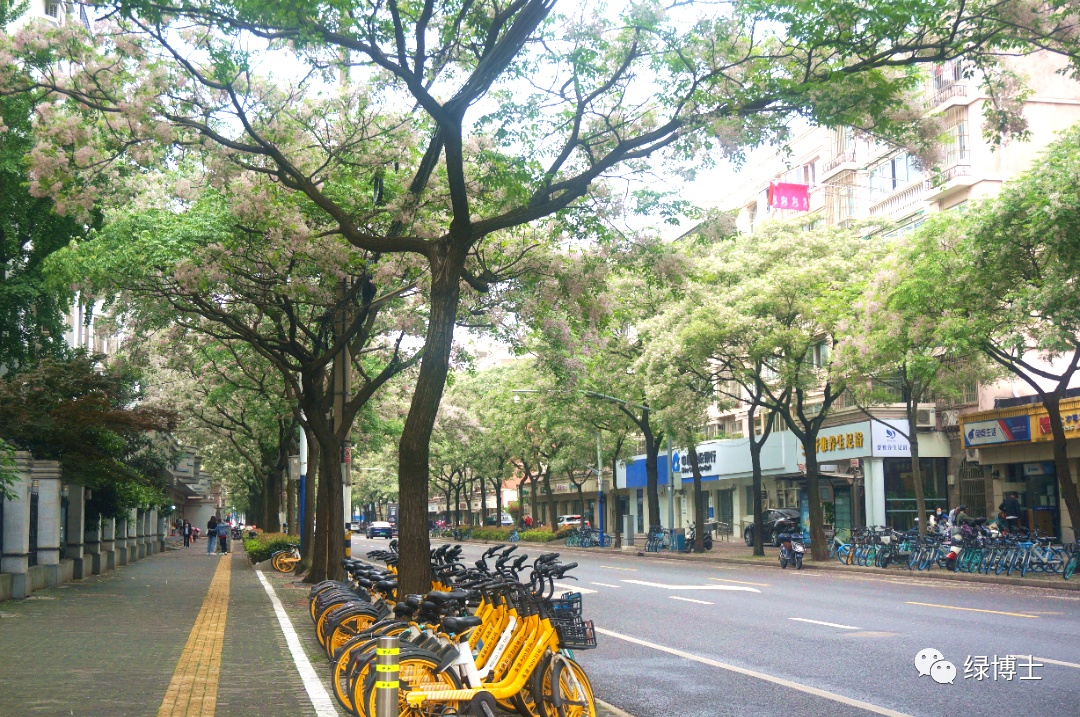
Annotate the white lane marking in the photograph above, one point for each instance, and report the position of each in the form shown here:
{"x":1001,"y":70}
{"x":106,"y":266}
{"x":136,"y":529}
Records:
{"x":736,"y":588}
{"x":1049,"y":661}
{"x":1060,"y":597}
{"x":612,"y":567}
{"x":699,"y":602}
{"x":320,"y":699}
{"x":605,"y":585}
{"x":826,"y":624}
{"x":575,"y":589}
{"x":759,"y":675}
{"x":740,"y":582}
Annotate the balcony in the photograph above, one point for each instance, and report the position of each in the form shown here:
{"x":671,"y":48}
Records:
{"x":954,"y":177}
{"x":956,"y":89}
{"x":845,"y":157}
{"x":909,"y":195}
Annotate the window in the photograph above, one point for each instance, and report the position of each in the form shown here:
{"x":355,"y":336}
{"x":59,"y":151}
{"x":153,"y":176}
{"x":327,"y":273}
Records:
{"x":819,"y":355}
{"x":956,"y":131}
{"x":970,"y":393}
{"x":840,"y":198}
{"x":52,"y":9}
{"x":946,"y":74}
{"x":894,"y":173}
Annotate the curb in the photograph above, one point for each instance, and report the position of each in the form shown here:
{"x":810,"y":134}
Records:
{"x":1060,"y":584}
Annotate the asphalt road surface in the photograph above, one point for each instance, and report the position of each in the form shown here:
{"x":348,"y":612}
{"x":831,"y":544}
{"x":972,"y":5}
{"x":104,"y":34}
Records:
{"x":706,"y":639}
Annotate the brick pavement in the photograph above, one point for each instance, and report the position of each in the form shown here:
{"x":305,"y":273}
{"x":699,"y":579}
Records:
{"x":123,"y":644}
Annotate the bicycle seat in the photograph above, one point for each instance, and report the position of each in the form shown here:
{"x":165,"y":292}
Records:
{"x":385,"y":586}
{"x":440,"y":597}
{"x":404,"y":609}
{"x":459,"y":624}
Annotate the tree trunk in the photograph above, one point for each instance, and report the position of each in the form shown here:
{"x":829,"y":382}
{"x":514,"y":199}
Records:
{"x":818,"y":549}
{"x":319,"y":545}
{"x":483,"y":503}
{"x":1061,"y":463}
{"x":310,"y":482}
{"x":652,"y":476}
{"x":916,"y":470}
{"x":699,"y":502}
{"x":755,"y":462}
{"x":552,"y":506}
{"x":332,"y":521}
{"x":272,"y":502}
{"x":414,"y":452}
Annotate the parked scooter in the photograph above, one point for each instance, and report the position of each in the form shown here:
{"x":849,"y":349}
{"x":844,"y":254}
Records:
{"x":791,"y":550}
{"x":691,"y":536}
{"x":235,"y":532}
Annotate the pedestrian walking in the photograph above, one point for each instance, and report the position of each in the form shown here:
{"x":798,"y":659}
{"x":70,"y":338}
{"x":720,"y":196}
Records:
{"x":223,"y":537}
{"x":1011,"y":508}
{"x":187,"y":534}
{"x":211,"y":533}
{"x":528,"y":522}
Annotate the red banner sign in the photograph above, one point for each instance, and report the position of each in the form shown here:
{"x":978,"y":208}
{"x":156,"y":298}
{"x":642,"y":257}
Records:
{"x":789,"y":196}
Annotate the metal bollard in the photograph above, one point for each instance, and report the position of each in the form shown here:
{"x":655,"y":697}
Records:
{"x":386,"y":676}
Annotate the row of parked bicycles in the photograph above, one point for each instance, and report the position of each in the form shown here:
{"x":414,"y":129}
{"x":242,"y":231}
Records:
{"x":658,"y":539}
{"x":486,"y":636}
{"x":588,"y":537}
{"x":968,"y":548}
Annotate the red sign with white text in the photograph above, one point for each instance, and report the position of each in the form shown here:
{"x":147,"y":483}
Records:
{"x":789,"y":196}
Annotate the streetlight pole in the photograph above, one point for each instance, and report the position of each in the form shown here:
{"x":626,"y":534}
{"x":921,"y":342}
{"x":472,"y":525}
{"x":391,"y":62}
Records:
{"x":671,"y":489}
{"x":601,"y":507}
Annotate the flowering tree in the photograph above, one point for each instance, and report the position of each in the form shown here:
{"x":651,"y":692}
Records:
{"x":892,"y":350}
{"x":1002,"y":276}
{"x":523,"y":112}
{"x":238,"y":269}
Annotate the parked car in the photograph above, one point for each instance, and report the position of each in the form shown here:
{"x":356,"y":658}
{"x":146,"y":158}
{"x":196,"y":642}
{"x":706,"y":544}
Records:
{"x":776,"y":521}
{"x":354,"y":526}
{"x":507,"y":520}
{"x":570,"y":521}
{"x":380,"y":529}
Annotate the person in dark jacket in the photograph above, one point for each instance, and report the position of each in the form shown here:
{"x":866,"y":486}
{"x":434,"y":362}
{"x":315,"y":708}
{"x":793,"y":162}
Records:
{"x":187,"y":533}
{"x":1011,"y":508}
{"x":211,"y":534}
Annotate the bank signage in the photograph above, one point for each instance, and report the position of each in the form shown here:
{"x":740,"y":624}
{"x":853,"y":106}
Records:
{"x":680,"y":462}
{"x":999,"y":430}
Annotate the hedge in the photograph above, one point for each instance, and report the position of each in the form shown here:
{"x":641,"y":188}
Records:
{"x":263,"y":545}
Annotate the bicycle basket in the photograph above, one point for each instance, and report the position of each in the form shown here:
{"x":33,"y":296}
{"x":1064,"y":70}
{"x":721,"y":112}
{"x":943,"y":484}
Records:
{"x":576,"y":634}
{"x":566,"y":607}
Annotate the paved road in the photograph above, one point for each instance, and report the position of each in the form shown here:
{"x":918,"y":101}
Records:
{"x":710,"y":639}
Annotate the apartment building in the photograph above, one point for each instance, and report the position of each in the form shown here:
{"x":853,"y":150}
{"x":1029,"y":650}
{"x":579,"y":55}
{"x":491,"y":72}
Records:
{"x":839,"y":176}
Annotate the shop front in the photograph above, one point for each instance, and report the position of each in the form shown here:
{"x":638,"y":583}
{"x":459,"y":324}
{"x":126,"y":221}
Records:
{"x":1016,"y":446}
{"x":866,"y":475}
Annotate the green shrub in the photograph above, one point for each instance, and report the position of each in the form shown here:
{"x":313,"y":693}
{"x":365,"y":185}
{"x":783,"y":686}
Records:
{"x":538,"y":535}
{"x":564,"y":533}
{"x":496,"y":534}
{"x":263,"y":545}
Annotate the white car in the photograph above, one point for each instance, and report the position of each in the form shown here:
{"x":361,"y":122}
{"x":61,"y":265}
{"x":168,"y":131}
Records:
{"x":570,"y":521}
{"x":507,"y":520}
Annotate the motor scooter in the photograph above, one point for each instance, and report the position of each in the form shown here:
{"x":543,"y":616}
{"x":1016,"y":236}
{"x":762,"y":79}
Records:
{"x":791,"y":550}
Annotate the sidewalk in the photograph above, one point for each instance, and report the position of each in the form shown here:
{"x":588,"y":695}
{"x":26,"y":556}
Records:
{"x":180,"y":633}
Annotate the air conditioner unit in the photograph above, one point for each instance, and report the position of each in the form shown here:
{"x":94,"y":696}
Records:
{"x":925,"y":418}
{"x":972,"y":455}
{"x":950,"y":418}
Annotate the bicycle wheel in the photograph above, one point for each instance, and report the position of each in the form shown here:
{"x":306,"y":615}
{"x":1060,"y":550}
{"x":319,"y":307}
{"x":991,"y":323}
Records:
{"x":418,"y":670}
{"x":566,"y":691}
{"x":348,"y":628}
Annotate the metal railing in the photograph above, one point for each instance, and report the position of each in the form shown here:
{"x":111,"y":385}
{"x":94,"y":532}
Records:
{"x":957,"y":89}
{"x":848,"y":155}
{"x":903,"y":198}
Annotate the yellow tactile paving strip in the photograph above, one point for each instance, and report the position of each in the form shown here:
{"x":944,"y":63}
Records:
{"x":194,"y":686}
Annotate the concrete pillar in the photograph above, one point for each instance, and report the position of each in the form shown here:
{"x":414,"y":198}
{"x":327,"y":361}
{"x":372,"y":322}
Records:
{"x":120,"y":545}
{"x":16,"y":557}
{"x":140,"y":533}
{"x":108,"y":544}
{"x":132,"y":535}
{"x":874,"y":485}
{"x":47,"y":475}
{"x":76,"y":530}
{"x":92,"y":546}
